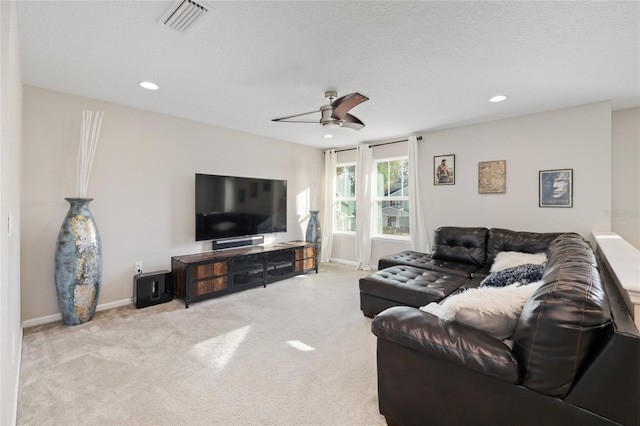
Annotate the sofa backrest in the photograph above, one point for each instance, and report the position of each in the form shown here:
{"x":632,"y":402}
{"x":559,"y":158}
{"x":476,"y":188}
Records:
{"x":564,"y":319}
{"x":525,"y":242}
{"x":460,"y":244}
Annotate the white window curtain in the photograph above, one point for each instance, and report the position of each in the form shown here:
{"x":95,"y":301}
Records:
{"x":364,"y":202}
{"x":330,"y":163}
{"x":417,"y":216}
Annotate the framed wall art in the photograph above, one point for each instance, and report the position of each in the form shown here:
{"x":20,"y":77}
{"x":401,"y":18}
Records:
{"x":556,"y":188}
{"x":444,"y":172}
{"x":492,"y":177}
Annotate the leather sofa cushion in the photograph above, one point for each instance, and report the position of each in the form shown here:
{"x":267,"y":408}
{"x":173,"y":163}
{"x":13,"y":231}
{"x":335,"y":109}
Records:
{"x":561,"y":323}
{"x":459,"y":244}
{"x":526,"y":242}
{"x":411,"y":286}
{"x":408,"y":258}
{"x":425,"y":261}
{"x":448,"y":341}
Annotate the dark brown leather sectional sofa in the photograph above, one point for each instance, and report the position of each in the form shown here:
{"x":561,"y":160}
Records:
{"x":575,"y":357}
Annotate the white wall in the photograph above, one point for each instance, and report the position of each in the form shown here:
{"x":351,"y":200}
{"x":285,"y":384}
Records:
{"x":625,"y":175}
{"x":10,"y":128}
{"x":142,"y":184}
{"x":578,"y":138}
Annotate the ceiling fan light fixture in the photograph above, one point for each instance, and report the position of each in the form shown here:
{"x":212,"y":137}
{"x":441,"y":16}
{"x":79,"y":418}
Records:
{"x":326,"y":120}
{"x":335,"y":114}
{"x":331,"y":124}
{"x":328,"y":136}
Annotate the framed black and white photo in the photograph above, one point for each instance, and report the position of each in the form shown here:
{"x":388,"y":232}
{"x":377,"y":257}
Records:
{"x":444,"y":172}
{"x":556,"y":188}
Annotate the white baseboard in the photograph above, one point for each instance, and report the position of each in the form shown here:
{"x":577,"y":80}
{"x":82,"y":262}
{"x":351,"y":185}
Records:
{"x":342,"y":261}
{"x":351,"y":263}
{"x":58,"y":317}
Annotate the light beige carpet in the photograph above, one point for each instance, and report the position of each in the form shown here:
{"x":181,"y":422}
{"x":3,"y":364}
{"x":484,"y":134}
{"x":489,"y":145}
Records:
{"x":298,"y":352}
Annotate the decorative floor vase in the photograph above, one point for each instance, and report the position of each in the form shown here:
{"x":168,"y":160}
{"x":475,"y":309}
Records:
{"x":314,"y":235}
{"x":78,"y":265}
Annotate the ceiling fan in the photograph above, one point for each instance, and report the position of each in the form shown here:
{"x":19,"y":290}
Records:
{"x":335,"y":113}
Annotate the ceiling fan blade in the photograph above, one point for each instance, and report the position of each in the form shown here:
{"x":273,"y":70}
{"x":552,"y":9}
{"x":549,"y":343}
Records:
{"x":297,"y":115}
{"x":342,"y":105}
{"x":351,"y":122}
{"x":295,"y":121}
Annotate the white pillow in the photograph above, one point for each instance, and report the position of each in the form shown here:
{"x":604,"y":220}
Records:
{"x":494,"y":310}
{"x":510,"y":259}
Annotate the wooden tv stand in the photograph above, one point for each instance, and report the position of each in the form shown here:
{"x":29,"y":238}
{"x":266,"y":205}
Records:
{"x":211,"y":274}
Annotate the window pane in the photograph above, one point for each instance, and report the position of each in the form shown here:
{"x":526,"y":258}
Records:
{"x":392,"y":178}
{"x":346,"y":216}
{"x":398,"y":171}
{"x":383,"y":178}
{"x":393,"y":217}
{"x":346,"y":181}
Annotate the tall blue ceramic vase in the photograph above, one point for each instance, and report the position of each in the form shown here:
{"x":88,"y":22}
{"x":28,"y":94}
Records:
{"x":78,"y":263}
{"x":314,"y":234}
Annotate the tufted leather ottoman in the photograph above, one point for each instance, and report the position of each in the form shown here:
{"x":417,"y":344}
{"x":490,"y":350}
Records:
{"x":425,"y":261}
{"x":406,"y":286}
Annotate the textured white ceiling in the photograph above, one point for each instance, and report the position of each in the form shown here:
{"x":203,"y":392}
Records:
{"x":425,"y":65}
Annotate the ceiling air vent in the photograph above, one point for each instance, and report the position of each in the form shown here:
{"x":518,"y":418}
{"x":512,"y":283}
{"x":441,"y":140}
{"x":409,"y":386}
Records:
{"x":184,"y":15}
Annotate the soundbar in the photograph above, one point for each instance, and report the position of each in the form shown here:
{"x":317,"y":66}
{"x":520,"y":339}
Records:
{"x":227,"y":243}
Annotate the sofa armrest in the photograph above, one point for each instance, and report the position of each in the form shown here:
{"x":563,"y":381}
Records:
{"x":448,"y":341}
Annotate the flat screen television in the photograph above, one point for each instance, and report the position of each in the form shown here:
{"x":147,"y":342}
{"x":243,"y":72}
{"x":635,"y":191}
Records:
{"x":233,"y":206}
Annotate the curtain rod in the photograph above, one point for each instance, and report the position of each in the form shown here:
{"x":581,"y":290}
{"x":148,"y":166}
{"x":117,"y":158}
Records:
{"x":389,"y":143}
{"x":379,"y":144}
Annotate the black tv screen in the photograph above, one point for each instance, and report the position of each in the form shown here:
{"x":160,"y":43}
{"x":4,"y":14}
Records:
{"x":232,"y":206}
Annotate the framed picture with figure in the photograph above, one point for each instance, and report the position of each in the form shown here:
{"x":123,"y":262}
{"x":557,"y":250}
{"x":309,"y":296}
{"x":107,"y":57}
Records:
{"x":556,"y":188}
{"x":444,"y":169}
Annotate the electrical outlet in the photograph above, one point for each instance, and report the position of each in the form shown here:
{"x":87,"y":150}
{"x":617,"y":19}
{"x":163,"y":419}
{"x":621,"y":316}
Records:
{"x":138,"y":267}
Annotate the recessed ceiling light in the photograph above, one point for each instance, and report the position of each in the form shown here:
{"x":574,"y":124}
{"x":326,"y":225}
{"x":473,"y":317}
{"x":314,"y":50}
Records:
{"x":148,"y":85}
{"x":328,"y":136}
{"x":498,"y":98}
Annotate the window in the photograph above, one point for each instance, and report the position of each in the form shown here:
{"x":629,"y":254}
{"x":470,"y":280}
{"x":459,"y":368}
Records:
{"x":345,"y":201}
{"x":392,"y":197}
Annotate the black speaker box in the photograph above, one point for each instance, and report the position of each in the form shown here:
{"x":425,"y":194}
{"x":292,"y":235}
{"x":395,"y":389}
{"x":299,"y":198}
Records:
{"x":153,"y":288}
